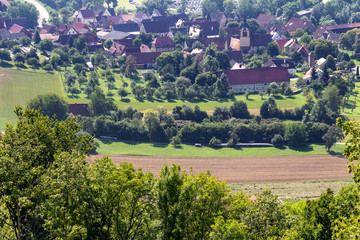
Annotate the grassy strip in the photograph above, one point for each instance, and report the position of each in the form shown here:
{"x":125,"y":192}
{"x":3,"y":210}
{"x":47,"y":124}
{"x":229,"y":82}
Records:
{"x":167,"y":150}
{"x":292,"y":191}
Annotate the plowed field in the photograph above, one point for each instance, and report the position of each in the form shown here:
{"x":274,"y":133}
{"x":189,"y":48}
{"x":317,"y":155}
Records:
{"x":248,"y":169}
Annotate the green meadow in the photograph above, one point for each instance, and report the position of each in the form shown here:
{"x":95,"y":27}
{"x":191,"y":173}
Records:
{"x":168,"y":150}
{"x":18,"y":87}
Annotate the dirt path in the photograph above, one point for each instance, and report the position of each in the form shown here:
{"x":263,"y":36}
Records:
{"x":249,"y":169}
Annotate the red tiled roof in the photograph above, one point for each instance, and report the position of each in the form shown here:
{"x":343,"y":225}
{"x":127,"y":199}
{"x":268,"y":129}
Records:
{"x":80,"y":27}
{"x":260,"y":39}
{"x":79,"y":109}
{"x":87,"y":14}
{"x":127,"y":17}
{"x":156,"y":27}
{"x":16,"y":28}
{"x":263,"y":19}
{"x":163,"y":42}
{"x":234,"y":31}
{"x":5,"y":2}
{"x":143,"y":58}
{"x":237,"y":56}
{"x":343,"y":26}
{"x":319,"y":33}
{"x":294,"y":23}
{"x":257,"y":75}
{"x":281,"y":43}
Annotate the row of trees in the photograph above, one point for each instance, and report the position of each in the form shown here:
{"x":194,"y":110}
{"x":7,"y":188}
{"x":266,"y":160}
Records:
{"x":52,"y":192}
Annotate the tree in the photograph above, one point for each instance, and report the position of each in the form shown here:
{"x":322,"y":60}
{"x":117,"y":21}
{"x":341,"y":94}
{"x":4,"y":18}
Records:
{"x":273,"y":49}
{"x":22,"y":9}
{"x":239,"y":110}
{"x":108,"y":43}
{"x":351,"y":131}
{"x":28,"y":149}
{"x":49,"y":105}
{"x":37,"y":38}
{"x":331,"y":136}
{"x":296,"y":56}
{"x":80,"y":43}
{"x":99,"y":104}
{"x":296,"y":134}
{"x":5,"y":55}
{"x":19,"y":58}
{"x":330,"y":62}
{"x":152,"y":123}
{"x":247,"y":93}
{"x":130,"y":69}
{"x":332,"y":98}
{"x":122,"y":92}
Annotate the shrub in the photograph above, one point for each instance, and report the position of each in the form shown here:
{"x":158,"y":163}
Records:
{"x":214,"y":141}
{"x":277,"y":140}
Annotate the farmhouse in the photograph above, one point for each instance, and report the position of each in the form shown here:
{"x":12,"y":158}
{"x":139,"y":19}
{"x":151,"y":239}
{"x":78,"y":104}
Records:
{"x":281,"y":62}
{"x":294,"y":23}
{"x":163,"y":44}
{"x":257,"y":79}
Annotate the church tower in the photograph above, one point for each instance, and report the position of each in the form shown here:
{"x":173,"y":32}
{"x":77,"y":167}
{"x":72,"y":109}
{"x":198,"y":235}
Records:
{"x":244,"y":35}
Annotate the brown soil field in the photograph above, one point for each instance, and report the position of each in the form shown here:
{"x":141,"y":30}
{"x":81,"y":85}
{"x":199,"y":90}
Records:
{"x":248,"y":169}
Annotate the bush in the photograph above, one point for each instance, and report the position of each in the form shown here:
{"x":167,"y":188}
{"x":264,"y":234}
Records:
{"x":277,"y":140}
{"x":296,"y":134}
{"x":214,"y":141}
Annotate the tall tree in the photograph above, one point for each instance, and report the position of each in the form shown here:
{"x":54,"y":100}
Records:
{"x":28,"y":150}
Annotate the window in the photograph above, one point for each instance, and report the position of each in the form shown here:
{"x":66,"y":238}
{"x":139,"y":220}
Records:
{"x":244,"y":33}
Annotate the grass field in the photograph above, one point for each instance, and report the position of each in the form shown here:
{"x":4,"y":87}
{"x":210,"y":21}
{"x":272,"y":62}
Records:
{"x":352,"y":109}
{"x":292,"y":191}
{"x":167,"y":150}
{"x":126,"y":4}
{"x":18,"y":87}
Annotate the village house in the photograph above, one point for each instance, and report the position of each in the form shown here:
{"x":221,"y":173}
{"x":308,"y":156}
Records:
{"x":19,"y":29}
{"x":145,"y":60}
{"x":218,"y":17}
{"x":141,"y":16}
{"x":129,"y":27}
{"x":281,"y":63}
{"x":265,"y":20}
{"x":163,"y":44}
{"x":78,"y":28}
{"x":294,"y":23}
{"x":256,"y":79}
{"x":86,"y":16}
{"x":157,"y":27}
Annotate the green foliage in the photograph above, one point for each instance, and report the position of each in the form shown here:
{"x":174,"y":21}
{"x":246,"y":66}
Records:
{"x":99,"y":104}
{"x":28,"y":151}
{"x":239,"y":110}
{"x":45,"y":45}
{"x":22,"y":9}
{"x":296,"y":134}
{"x":273,"y":49}
{"x":49,"y":105}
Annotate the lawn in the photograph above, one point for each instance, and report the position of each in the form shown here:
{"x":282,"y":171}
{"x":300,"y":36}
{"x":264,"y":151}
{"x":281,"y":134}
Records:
{"x":352,"y":109}
{"x":126,"y":4}
{"x":292,"y":191}
{"x":167,"y":150}
{"x":254,"y":101}
{"x":18,"y":87}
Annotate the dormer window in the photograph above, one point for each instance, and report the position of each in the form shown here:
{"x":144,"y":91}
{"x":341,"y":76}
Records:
{"x":245,"y":34}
